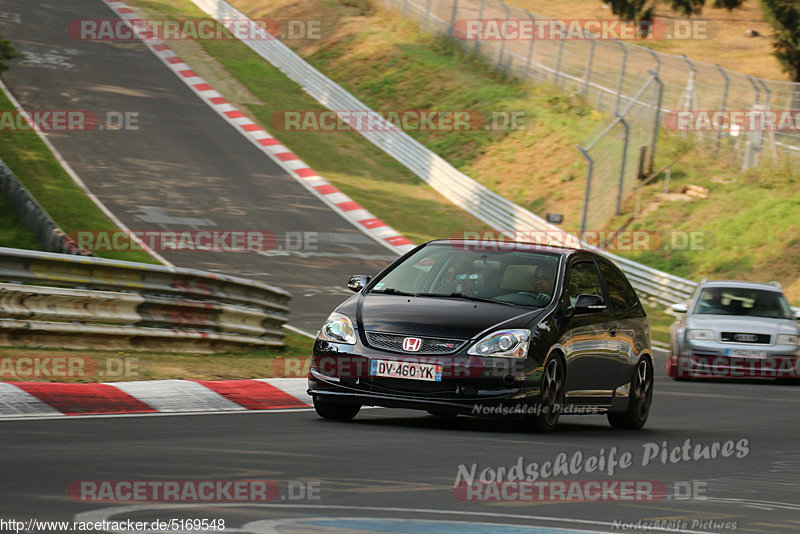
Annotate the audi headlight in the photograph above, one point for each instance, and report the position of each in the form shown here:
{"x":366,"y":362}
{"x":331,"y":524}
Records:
{"x":788,"y":339}
{"x":338,"y":328}
{"x":706,"y":335}
{"x":503,"y":344}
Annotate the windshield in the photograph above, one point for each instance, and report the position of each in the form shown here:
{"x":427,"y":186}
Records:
{"x":525,"y":278}
{"x":743,"y":301}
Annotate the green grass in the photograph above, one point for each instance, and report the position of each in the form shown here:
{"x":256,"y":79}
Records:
{"x":12,"y":233}
{"x":34,"y":165}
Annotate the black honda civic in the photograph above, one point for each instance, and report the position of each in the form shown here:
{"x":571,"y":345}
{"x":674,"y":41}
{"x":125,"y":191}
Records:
{"x":488,"y":328}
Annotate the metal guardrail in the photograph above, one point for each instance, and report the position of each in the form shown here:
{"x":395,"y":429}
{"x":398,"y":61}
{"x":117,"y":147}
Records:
{"x":79,"y":302}
{"x":34,"y":217}
{"x":457,"y":187}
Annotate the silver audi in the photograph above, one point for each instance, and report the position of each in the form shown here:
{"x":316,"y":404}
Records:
{"x":733,"y":329}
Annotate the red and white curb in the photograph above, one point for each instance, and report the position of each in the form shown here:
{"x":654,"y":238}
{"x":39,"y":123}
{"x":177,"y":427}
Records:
{"x":285,"y":158}
{"x":26,"y":399}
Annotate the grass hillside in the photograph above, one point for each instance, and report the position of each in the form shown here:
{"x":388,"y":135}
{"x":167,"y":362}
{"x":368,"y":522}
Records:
{"x":750,"y":219}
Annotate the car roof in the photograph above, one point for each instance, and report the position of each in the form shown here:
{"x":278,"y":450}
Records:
{"x":504,"y":245}
{"x":742,"y":284}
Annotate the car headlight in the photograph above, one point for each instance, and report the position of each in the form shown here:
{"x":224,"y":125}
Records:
{"x":707,"y":335}
{"x":503,"y":344}
{"x":788,"y":339}
{"x":339,"y":329}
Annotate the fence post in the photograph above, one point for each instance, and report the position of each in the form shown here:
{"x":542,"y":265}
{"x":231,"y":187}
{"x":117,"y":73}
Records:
{"x":428,"y":14}
{"x":589,"y":63}
{"x":768,"y":107}
{"x":530,"y":45}
{"x":751,"y":147}
{"x":656,"y":122}
{"x":656,"y":59}
{"x":502,"y":39}
{"x":480,"y":19}
{"x":557,"y":72}
{"x":588,"y":189}
{"x":724,"y":102}
{"x":453,"y":17}
{"x":621,"y":74}
{"x":624,"y":161}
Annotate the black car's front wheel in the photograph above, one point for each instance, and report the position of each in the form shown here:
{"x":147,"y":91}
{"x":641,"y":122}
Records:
{"x":552,"y":394}
{"x":337,"y":411}
{"x":640,"y":399}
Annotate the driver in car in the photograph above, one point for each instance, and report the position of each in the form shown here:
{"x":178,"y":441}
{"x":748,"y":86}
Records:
{"x":543,"y":282}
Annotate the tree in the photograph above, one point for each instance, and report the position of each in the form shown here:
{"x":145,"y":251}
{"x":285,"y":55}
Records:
{"x":7,"y":53}
{"x":784,"y":17}
{"x":645,"y":9}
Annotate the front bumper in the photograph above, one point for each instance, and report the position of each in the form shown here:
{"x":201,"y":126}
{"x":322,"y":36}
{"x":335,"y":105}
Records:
{"x":718,"y":360}
{"x":469,"y":384}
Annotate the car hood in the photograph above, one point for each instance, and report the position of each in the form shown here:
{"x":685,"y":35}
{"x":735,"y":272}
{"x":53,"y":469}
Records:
{"x":452,"y":318}
{"x":755,"y":325}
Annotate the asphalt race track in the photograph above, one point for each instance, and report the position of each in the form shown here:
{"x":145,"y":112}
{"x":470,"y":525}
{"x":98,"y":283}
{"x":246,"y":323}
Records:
{"x":184,"y":168}
{"x":401,"y":465}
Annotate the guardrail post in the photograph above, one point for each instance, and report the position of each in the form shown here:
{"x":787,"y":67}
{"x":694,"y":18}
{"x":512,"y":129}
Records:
{"x":724,"y":102}
{"x":624,"y":161}
{"x":621,"y":78}
{"x":589,"y":173}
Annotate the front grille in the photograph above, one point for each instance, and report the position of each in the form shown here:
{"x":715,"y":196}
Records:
{"x":430,"y":345}
{"x":744,"y":337}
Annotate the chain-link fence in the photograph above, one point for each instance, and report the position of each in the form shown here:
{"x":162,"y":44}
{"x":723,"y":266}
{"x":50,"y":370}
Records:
{"x":620,"y":153}
{"x":610,"y":72}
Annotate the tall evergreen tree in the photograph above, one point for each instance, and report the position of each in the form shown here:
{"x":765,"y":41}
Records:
{"x":784,"y":17}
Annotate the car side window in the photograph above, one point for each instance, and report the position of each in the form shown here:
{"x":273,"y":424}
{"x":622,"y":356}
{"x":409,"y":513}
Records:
{"x":584,"y":279}
{"x":620,"y":292}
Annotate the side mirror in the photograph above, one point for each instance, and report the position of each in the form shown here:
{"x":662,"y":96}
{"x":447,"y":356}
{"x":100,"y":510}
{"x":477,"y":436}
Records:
{"x":358,"y":282}
{"x":679,"y":307}
{"x":586,"y":303}
{"x":796,"y":313}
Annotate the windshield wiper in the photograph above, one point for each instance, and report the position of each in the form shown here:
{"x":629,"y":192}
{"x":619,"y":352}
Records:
{"x":459,"y":295}
{"x":393,"y":291}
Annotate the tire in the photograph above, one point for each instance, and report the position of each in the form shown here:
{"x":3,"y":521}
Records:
{"x":640,"y":400}
{"x":552,"y":390}
{"x":336,"y":411}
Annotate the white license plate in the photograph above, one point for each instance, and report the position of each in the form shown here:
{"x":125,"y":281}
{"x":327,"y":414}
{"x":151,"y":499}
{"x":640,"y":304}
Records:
{"x":746,"y":353}
{"x":408,"y":370}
